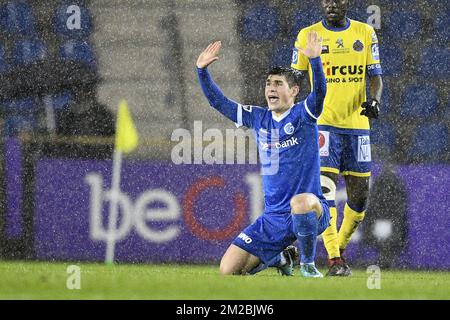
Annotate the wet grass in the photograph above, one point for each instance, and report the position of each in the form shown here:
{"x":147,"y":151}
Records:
{"x":43,"y":280}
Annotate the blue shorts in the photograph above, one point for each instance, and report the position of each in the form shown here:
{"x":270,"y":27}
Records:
{"x":347,"y":154}
{"x":272,"y":232}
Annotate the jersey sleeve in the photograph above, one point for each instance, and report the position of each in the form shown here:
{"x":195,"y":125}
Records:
{"x":299,"y":61}
{"x":311,"y":108}
{"x":241,"y":115}
{"x":373,"y":53}
{"x":215,"y":96}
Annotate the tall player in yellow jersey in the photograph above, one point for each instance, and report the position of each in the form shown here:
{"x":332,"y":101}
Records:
{"x":349,"y":55}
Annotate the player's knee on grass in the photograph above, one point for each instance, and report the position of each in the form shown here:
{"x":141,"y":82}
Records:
{"x":237,"y":261}
{"x":232,"y":269}
{"x":229,"y":267}
{"x":304,"y":203}
{"x":226,"y":269}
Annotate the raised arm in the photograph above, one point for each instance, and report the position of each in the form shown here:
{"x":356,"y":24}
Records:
{"x":313,"y":50}
{"x":212,"y":92}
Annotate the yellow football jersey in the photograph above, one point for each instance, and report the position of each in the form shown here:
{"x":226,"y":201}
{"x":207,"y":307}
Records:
{"x":348,"y":55}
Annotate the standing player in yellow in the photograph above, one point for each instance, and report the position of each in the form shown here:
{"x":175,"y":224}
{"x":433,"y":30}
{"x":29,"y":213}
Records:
{"x":349,"y":55}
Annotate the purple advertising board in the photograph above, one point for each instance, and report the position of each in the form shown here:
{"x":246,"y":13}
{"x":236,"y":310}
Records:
{"x":167,"y":213}
{"x":190,"y":213}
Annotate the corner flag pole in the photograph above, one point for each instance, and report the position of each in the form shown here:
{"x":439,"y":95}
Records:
{"x":126,"y":141}
{"x":113,"y":207}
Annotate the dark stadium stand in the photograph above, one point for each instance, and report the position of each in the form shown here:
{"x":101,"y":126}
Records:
{"x":303,"y":18}
{"x":21,"y":116}
{"x":4,"y":65}
{"x":403,"y":25}
{"x":383,"y":135}
{"x":261,"y":23}
{"x":441,"y":26}
{"x":414,"y":48}
{"x":433,"y":62}
{"x":62,"y":100}
{"x":28,"y":51}
{"x":45,"y":56}
{"x":429,"y":143}
{"x":281,"y":55}
{"x":16,"y":18}
{"x":419,"y":101}
{"x":397,"y":61}
{"x":78,"y":51}
{"x":20,"y":123}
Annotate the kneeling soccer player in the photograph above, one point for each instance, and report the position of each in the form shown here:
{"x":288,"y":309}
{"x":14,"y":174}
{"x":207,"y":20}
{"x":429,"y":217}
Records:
{"x":287,"y":138}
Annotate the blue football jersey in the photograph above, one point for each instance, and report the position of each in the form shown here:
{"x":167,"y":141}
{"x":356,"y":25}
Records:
{"x":289,"y":153}
{"x":288,"y":144}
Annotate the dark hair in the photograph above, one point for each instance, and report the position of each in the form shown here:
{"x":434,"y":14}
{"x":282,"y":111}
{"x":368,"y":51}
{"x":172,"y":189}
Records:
{"x":293,"y":77}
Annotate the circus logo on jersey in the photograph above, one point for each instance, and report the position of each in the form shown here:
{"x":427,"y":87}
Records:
{"x":289,"y":128}
{"x":324,"y":143}
{"x":358,"y":46}
{"x":331,"y":70}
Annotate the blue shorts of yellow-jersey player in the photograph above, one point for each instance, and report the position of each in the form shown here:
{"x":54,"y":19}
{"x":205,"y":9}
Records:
{"x":272,"y":232}
{"x":346,"y":154}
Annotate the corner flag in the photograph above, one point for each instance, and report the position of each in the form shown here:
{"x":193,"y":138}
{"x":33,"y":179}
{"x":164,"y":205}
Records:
{"x":126,"y":134}
{"x":126,"y":141}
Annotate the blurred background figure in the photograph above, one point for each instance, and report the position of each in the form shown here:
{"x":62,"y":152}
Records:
{"x":386,"y":225}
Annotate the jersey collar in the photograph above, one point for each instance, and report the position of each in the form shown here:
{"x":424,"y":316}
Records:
{"x":282,"y":116}
{"x":347,"y":25}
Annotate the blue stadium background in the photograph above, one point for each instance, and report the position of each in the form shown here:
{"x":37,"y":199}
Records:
{"x":414,"y":40}
{"x":414,"y":47}
{"x":60,"y":78}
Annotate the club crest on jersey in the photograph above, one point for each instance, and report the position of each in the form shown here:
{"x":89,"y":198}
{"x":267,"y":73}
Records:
{"x":295,"y":56}
{"x":358,"y":46}
{"x":289,"y":128}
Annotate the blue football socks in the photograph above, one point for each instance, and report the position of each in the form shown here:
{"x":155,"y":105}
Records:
{"x":305,"y":228}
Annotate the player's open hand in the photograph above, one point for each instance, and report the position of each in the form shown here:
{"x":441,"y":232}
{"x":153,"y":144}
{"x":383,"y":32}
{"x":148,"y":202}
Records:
{"x":313,"y":46}
{"x":209,"y":55}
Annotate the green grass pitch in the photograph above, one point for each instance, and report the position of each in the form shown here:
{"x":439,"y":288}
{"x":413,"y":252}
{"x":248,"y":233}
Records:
{"x":44,"y":280}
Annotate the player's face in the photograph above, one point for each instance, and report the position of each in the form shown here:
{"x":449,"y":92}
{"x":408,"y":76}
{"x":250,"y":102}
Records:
{"x":335,"y":10}
{"x":278,"y":94}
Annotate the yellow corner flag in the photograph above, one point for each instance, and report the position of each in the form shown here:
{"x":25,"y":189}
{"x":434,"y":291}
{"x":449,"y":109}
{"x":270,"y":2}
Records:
{"x":126,"y":134}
